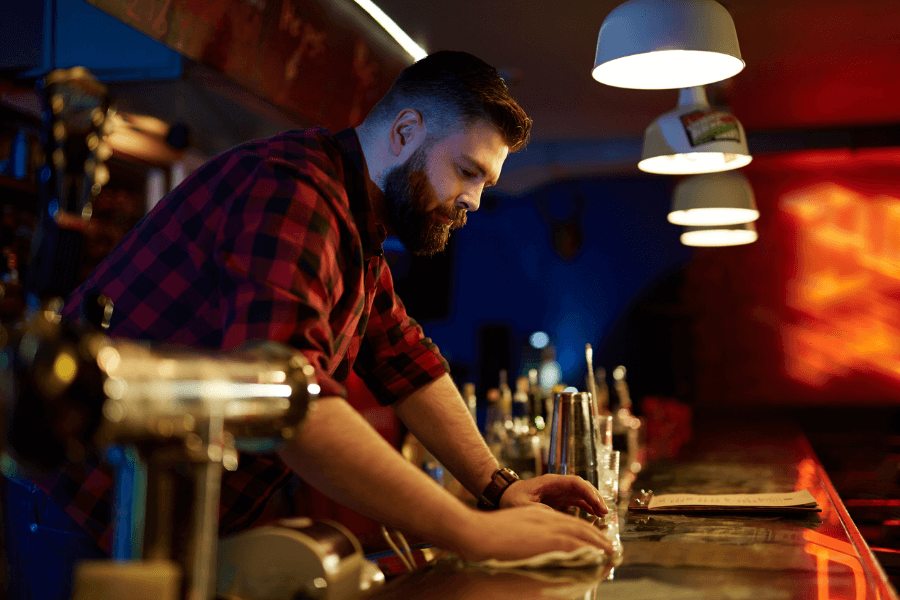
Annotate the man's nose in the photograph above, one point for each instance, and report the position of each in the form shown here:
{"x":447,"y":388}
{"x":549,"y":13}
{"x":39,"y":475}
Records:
{"x":470,"y":199}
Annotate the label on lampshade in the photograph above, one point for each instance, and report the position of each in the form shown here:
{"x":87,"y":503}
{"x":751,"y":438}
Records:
{"x":705,"y":126}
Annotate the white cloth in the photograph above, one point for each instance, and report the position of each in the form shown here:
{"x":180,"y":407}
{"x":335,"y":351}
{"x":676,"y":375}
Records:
{"x":586,"y":556}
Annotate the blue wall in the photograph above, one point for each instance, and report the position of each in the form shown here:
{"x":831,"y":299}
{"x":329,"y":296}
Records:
{"x":38,"y":36}
{"x":507,"y":271}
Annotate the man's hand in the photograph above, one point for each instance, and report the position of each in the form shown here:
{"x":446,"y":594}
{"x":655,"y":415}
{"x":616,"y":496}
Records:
{"x":526,"y":531}
{"x":557,"y":491}
{"x":338,"y":452}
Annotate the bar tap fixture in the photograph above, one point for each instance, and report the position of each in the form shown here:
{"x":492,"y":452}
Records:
{"x":170,"y":419}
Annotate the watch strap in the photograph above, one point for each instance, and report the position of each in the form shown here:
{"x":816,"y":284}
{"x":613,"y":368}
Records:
{"x":500,"y":480}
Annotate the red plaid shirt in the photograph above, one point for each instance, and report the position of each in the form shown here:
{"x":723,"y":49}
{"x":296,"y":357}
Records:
{"x":274,"y":239}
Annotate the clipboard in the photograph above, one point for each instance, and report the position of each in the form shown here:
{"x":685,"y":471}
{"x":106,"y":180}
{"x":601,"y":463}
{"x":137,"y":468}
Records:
{"x":801,"y":501}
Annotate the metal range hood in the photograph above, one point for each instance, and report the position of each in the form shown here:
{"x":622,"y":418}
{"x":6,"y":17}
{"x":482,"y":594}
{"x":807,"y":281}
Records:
{"x":232,"y":70}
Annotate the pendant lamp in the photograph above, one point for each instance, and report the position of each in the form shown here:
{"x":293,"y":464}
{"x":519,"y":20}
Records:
{"x":694,"y":138}
{"x":663,"y":44}
{"x":713,"y":199}
{"x":719,"y":235}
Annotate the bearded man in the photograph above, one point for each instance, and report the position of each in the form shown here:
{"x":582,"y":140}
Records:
{"x":281,"y":239}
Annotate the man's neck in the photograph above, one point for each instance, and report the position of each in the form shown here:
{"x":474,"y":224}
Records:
{"x":376,"y":198}
{"x":374,"y":172}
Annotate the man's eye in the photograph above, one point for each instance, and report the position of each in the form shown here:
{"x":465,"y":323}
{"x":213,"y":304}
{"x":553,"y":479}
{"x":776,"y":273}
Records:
{"x":467,"y":173}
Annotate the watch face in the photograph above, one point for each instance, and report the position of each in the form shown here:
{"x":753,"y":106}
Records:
{"x":508,"y":475}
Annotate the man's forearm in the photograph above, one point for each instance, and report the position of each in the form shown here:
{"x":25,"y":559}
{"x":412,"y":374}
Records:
{"x":339,"y":453}
{"x":437,"y":415}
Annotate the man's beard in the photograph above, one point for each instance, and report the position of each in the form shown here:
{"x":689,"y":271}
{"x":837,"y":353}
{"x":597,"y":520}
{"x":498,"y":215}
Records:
{"x":407,"y":193}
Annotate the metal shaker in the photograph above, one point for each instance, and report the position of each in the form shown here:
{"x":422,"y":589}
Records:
{"x":573,"y":439}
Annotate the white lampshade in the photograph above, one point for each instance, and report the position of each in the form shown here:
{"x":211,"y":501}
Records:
{"x":663,"y":44}
{"x":719,"y":235}
{"x":694,"y":138}
{"x":713,"y":199}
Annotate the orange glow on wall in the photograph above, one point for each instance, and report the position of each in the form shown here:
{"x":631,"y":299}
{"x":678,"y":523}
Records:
{"x":810,"y":314}
{"x":846,"y":280}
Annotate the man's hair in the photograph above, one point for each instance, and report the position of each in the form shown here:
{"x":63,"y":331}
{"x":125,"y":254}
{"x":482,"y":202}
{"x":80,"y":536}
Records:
{"x":454,"y":88}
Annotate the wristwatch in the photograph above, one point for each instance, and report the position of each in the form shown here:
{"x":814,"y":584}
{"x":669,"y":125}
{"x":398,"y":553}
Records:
{"x":500,"y":480}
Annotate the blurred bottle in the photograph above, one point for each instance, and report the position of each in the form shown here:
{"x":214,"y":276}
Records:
{"x":506,"y":409}
{"x":521,"y":404}
{"x":602,"y":398}
{"x":415,"y":452}
{"x":505,"y":394}
{"x":433,"y":468}
{"x":627,"y":428}
{"x":521,"y":450}
{"x":509,"y":431}
{"x":468,"y":394}
{"x":621,"y":411}
{"x":541,"y":420}
{"x":537,"y":401}
{"x":495,"y":423}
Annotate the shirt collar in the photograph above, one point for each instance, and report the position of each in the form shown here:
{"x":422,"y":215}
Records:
{"x":371,"y":233}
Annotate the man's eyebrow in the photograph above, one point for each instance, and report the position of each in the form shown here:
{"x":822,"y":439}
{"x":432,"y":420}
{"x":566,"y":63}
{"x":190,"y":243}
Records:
{"x":480,"y":168}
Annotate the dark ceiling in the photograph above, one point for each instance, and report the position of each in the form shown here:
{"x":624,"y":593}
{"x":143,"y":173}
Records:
{"x":811,"y":64}
{"x":819,"y":73}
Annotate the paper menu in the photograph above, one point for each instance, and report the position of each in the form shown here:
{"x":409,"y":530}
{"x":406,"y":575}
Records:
{"x":801,"y":500}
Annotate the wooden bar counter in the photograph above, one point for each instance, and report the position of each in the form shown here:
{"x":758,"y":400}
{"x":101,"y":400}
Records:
{"x":817,"y":556}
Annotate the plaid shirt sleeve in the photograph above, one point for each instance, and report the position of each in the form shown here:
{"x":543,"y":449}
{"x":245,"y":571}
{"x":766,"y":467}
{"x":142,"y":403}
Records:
{"x":281,"y":266}
{"x":395,"y":357}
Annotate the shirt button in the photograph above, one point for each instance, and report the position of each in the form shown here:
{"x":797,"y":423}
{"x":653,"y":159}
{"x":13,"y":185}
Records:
{"x":33,"y":527}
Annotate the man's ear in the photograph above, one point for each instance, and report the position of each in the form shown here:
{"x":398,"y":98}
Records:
{"x":407,"y":131}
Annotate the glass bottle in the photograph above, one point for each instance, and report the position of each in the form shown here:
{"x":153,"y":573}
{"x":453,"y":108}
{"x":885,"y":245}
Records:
{"x":521,"y":405}
{"x":536,"y":397}
{"x":495,"y":424}
{"x":468,"y":394}
{"x":521,"y":450}
{"x":602,"y":398}
{"x":627,"y":428}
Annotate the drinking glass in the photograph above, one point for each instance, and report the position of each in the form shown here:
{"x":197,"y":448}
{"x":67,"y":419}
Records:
{"x":603,"y":426}
{"x":609,"y":479}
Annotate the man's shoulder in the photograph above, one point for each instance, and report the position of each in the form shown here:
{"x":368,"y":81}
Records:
{"x":312,"y":152}
{"x":288,"y":178}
